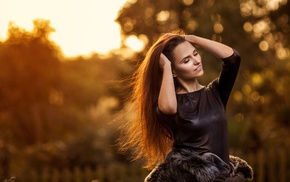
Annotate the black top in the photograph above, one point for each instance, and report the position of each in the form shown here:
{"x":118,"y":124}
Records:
{"x":200,"y":122}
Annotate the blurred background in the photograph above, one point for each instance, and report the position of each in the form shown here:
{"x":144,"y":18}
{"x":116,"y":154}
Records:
{"x":62,"y":98}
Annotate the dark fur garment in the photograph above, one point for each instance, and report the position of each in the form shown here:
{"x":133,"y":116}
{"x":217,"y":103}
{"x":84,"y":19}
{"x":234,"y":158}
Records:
{"x":184,"y":165}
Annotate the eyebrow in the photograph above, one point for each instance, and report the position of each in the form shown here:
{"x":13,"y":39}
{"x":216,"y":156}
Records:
{"x":182,"y":60}
{"x":187,"y":56}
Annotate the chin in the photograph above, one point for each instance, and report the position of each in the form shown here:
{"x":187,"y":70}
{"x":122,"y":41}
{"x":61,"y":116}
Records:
{"x":200,"y":74}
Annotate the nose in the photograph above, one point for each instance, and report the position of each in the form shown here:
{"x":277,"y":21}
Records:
{"x":195,"y":61}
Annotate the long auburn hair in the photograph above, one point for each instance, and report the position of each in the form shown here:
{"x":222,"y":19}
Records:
{"x":145,"y":136}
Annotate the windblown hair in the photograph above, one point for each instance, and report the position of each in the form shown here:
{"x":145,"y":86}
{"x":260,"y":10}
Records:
{"x":145,"y":136}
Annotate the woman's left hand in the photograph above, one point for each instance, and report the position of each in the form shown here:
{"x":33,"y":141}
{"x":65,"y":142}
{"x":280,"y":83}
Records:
{"x":189,"y":38}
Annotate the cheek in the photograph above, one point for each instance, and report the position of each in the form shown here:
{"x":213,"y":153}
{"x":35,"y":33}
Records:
{"x":199,"y":57}
{"x":183,"y":70}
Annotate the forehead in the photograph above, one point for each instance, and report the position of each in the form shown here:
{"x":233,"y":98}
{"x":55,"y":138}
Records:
{"x":182,"y":50}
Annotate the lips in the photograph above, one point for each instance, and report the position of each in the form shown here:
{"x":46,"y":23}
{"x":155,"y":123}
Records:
{"x":198,"y":68}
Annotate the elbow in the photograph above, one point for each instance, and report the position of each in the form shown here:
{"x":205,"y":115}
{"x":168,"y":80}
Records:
{"x":170,"y":110}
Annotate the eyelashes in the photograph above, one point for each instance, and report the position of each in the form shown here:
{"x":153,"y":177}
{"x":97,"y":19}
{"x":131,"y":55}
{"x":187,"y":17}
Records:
{"x":187,"y":58}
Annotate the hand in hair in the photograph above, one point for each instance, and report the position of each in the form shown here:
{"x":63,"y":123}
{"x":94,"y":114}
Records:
{"x":164,"y":61}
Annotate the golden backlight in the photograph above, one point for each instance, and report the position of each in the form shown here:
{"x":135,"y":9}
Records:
{"x":81,"y":26}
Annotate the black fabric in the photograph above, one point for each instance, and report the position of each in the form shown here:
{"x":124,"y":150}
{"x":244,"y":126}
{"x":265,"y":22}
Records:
{"x":228,"y":76}
{"x":200,"y":123}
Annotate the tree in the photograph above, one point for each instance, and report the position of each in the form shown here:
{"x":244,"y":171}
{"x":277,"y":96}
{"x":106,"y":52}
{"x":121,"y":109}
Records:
{"x":30,"y":64}
{"x":30,"y":72}
{"x":49,"y":101}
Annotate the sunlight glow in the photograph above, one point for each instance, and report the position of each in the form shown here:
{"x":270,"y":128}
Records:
{"x":135,"y":43}
{"x":188,"y":2}
{"x":263,"y":45}
{"x":260,"y":8}
{"x":82,"y":26}
{"x":218,"y":28}
{"x":163,"y":16}
{"x":248,"y":27}
{"x":238,"y":96}
{"x":282,"y":53}
{"x":239,"y":117}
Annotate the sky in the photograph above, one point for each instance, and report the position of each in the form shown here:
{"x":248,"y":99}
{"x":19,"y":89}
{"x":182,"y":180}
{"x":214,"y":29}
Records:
{"x":81,"y":26}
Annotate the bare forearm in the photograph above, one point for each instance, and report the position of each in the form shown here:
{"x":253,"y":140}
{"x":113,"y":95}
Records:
{"x":216,"y":48}
{"x":167,"y":99}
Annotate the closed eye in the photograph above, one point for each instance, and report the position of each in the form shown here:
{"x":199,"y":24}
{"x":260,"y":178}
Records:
{"x":195,"y":53}
{"x":186,"y":59}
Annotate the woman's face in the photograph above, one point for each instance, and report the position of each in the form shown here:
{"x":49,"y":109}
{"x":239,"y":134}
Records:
{"x":187,"y":62}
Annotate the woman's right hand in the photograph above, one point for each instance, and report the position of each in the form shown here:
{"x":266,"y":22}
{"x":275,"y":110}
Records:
{"x":167,"y":100}
{"x":164,"y":61}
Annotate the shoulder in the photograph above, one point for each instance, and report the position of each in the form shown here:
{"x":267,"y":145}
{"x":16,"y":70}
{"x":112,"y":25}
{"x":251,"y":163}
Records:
{"x":213,"y":85}
{"x":213,"y":88}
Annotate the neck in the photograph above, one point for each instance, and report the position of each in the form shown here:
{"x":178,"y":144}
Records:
{"x":188,"y":86}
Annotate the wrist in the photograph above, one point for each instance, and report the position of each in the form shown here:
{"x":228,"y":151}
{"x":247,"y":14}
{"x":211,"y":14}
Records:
{"x":167,"y":66}
{"x":190,"y":38}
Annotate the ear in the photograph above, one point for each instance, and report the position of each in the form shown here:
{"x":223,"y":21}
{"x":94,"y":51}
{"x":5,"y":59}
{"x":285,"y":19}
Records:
{"x":173,"y":73}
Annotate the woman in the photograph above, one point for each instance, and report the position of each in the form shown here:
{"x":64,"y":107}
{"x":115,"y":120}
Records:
{"x":180,"y":125}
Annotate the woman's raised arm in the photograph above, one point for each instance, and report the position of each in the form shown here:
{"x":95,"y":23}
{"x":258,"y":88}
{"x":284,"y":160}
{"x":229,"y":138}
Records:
{"x":167,"y":103}
{"x":216,"y":48}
